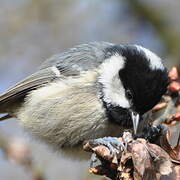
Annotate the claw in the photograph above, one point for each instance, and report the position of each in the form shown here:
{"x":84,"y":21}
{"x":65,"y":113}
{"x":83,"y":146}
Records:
{"x":112,"y":143}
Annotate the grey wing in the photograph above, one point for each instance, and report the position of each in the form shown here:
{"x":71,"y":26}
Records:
{"x":20,"y":90}
{"x":81,"y":58}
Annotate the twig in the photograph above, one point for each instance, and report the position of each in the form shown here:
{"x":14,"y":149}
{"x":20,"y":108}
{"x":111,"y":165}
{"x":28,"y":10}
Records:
{"x":19,"y":153}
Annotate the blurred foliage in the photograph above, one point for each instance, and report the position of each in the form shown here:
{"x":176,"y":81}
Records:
{"x":170,"y":37}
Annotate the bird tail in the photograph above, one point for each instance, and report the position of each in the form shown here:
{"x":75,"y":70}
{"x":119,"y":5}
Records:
{"x":4,"y":117}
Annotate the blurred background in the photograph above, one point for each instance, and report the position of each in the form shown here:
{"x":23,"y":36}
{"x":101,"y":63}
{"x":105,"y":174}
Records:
{"x":33,"y":30}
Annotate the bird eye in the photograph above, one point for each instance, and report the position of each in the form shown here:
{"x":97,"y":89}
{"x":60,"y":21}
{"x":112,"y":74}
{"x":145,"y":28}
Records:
{"x":129,"y":94}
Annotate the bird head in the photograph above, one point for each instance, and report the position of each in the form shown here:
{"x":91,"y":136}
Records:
{"x":133,"y":80}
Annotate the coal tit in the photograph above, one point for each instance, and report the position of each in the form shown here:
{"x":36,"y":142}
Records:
{"x":91,"y":91}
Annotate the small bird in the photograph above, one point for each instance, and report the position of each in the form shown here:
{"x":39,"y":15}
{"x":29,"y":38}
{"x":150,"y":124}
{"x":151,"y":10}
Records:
{"x":91,"y":91}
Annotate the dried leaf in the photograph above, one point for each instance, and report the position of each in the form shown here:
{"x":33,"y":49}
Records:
{"x":176,"y":117}
{"x":103,"y":151}
{"x":174,"y":153}
{"x":94,"y":171}
{"x":140,"y":157}
{"x":174,"y":86}
{"x":159,"y":106}
{"x":161,"y":159}
{"x":173,"y":120}
{"x":173,"y":73}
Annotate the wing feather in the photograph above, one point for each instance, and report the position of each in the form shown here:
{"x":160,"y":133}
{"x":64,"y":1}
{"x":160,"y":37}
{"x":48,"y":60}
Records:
{"x":71,"y":63}
{"x":80,"y":58}
{"x":32,"y":82}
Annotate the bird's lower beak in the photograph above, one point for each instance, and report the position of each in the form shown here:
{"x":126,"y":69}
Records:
{"x":135,"y":119}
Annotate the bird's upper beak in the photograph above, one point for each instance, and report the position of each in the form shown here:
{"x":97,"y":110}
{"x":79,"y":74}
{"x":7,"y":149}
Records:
{"x":135,"y":119}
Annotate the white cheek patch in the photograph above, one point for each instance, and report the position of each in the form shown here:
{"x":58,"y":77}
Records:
{"x":155,"y":61}
{"x":113,"y":90}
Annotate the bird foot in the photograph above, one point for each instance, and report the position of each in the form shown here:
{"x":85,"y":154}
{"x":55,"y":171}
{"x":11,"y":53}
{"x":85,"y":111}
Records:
{"x":153,"y":133}
{"x":112,"y":143}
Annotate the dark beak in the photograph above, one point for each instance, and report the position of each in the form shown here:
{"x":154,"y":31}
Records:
{"x":135,"y":119}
